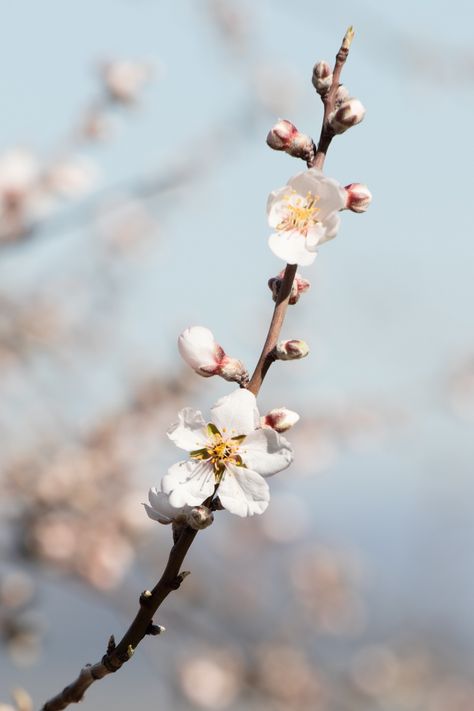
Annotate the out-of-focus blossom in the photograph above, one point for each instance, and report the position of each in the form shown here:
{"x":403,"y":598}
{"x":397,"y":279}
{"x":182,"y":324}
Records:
{"x":291,"y":350}
{"x":284,"y":136}
{"x":280,"y":419}
{"x":212,"y":680}
{"x":23,"y":199}
{"x":71,"y":178}
{"x":359,"y":197}
{"x":125,"y":79}
{"x":299,"y":286}
{"x":288,"y":519}
{"x":322,"y":77}
{"x":348,"y":114}
{"x":304,"y":214}
{"x":276,"y":87}
{"x":229,"y":457}
{"x":206,"y":357}
{"x":286,"y":676}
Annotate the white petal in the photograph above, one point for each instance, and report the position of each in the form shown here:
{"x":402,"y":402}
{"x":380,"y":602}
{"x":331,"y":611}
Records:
{"x":331,"y":225}
{"x":198,"y":348}
{"x":316,"y":235}
{"x":243,"y":492}
{"x":155,"y":516}
{"x":277,"y":206}
{"x":266,"y":452}
{"x":189,"y":483}
{"x":332,"y":195}
{"x":291,"y":247}
{"x":160,"y":505}
{"x":236,"y":414}
{"x":189,"y":432}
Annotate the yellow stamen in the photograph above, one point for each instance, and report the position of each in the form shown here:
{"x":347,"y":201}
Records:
{"x":300,"y":213}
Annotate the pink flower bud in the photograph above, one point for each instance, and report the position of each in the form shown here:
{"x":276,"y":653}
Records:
{"x":281,"y":135}
{"x":322,"y":77}
{"x":348,"y":114}
{"x":359,"y":197}
{"x":206,"y":357}
{"x":298,"y":287}
{"x":291,"y":350}
{"x":284,"y":136}
{"x":199,"y":517}
{"x":280,"y":419}
{"x":342,"y":94}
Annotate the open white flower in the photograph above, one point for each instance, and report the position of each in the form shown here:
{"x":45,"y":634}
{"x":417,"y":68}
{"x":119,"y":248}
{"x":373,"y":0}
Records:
{"x":229,"y":456}
{"x":304,"y":214}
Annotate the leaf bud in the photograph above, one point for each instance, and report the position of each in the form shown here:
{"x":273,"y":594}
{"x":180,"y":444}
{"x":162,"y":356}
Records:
{"x":298,"y":287}
{"x":199,"y":517}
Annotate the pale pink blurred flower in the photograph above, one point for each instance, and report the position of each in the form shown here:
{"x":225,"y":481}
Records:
{"x":71,"y":177}
{"x":212,"y":680}
{"x":125,"y":79}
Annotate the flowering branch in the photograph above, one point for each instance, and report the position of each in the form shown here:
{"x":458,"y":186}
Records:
{"x":231,"y":456}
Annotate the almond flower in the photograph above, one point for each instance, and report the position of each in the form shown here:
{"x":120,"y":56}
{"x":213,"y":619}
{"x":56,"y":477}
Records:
{"x":229,"y":456}
{"x":304,"y":214}
{"x":160,"y":509}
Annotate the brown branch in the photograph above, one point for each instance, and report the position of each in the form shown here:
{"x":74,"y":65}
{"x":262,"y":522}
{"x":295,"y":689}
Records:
{"x":142,"y":625}
{"x":116,"y":656}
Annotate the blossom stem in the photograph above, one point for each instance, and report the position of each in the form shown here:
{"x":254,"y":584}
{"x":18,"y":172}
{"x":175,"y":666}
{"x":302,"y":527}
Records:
{"x":279,"y":312}
{"x":327,"y":134}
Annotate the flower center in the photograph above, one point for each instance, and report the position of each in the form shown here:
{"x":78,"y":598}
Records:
{"x":220,"y":451}
{"x":300,"y":213}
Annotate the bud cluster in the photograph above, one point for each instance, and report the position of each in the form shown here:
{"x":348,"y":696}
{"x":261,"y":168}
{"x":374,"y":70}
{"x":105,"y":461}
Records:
{"x":349,"y":113}
{"x":284,"y":136}
{"x":298,"y":287}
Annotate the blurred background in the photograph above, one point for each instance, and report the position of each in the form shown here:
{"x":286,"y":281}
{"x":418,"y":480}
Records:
{"x":133,"y":182}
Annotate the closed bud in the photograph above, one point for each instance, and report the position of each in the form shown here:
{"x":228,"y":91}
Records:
{"x":291,"y":350}
{"x":322,"y":77}
{"x":298,"y":287}
{"x":359,"y":197}
{"x":284,"y":136}
{"x":342,"y":94}
{"x":350,"y":113}
{"x":199,"y":517}
{"x":280,"y":419}
{"x":206,"y":357}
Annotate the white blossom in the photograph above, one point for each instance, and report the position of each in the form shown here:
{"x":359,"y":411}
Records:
{"x":229,"y":457}
{"x":304,"y":214}
{"x":161,"y":510}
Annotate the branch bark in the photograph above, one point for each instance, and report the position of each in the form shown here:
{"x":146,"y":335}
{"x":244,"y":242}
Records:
{"x":150,"y":601}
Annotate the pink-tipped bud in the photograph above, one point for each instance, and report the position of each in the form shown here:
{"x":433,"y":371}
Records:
{"x":322,"y":77}
{"x":342,"y":94}
{"x":298,"y":287}
{"x":206,"y":357}
{"x":280,"y":419}
{"x":358,"y":197}
{"x":350,"y":113}
{"x":284,"y":136}
{"x":291,"y":350}
{"x":199,"y":517}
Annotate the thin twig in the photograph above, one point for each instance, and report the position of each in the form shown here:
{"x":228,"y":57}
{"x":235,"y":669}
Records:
{"x":117,"y":655}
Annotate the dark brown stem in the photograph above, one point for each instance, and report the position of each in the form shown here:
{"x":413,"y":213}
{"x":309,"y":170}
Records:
{"x":117,"y":655}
